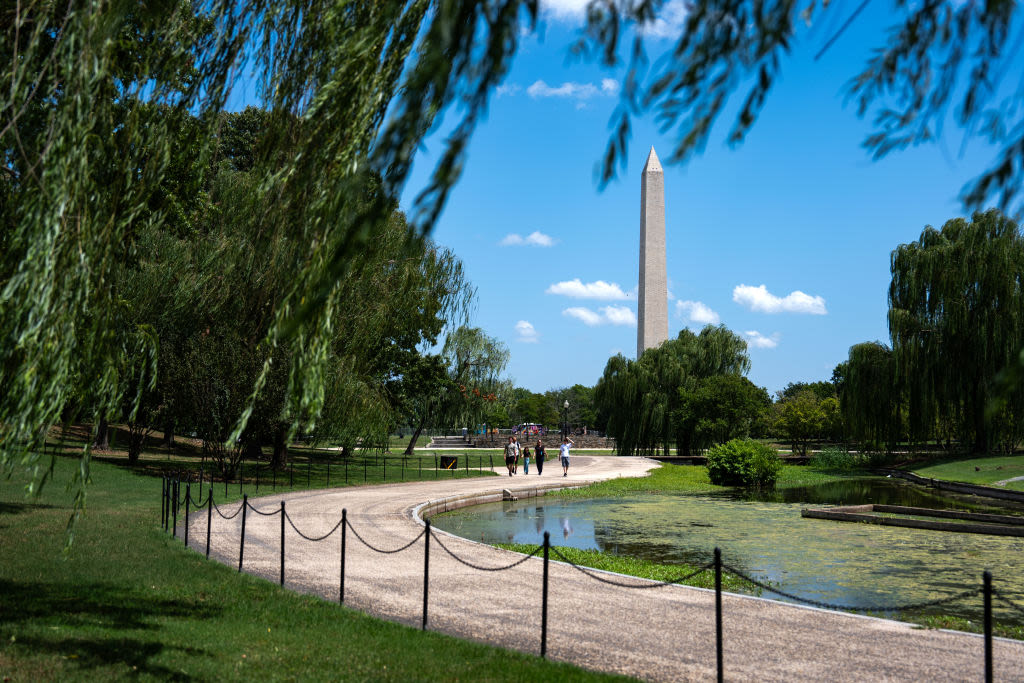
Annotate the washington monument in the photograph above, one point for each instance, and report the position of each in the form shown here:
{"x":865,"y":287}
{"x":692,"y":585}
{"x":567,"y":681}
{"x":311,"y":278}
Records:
{"x":652,"y":308}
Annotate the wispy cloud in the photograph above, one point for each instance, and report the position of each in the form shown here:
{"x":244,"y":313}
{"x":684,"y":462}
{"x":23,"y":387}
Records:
{"x":569,"y":89}
{"x":507,"y":89}
{"x":697,"y":312}
{"x":759,"y":341}
{"x":669,"y":23}
{"x":534,"y":239}
{"x":527,"y":332}
{"x":599,"y":289}
{"x":759,"y":299}
{"x":606,"y":315}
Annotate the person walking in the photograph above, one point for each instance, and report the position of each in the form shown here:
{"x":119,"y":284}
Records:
{"x":563,"y":455}
{"x":538,"y":454}
{"x":526,"y":460}
{"x":518,"y":452}
{"x":510,"y":454}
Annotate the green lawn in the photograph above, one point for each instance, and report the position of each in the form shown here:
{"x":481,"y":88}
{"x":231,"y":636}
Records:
{"x":986,"y":471}
{"x":129,"y":602}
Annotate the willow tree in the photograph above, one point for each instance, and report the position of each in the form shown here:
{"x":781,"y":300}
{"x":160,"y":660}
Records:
{"x":641,"y":398}
{"x":871,"y":401}
{"x":364,"y":81}
{"x":956,"y":316}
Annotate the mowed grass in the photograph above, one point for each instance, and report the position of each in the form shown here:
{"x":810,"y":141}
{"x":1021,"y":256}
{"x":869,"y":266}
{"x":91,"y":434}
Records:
{"x":985,"y":471}
{"x":128,"y":602}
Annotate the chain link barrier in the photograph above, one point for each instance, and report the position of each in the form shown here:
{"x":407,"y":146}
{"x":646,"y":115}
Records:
{"x":310,"y":538}
{"x":381,"y":550}
{"x":201,"y":502}
{"x":853,"y":608}
{"x":1007,"y":602}
{"x":653,"y":583}
{"x":223,"y":516}
{"x":480,"y":567}
{"x":265,"y":514}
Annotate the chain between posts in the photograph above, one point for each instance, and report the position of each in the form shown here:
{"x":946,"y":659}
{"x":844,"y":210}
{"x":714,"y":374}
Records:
{"x":310,"y":538}
{"x":223,"y":516}
{"x":653,"y":583}
{"x":479,"y":567}
{"x":852,"y":608}
{"x":380,"y":550}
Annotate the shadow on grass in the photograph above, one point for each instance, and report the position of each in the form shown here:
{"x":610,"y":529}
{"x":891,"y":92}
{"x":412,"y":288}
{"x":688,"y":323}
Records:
{"x":9,"y":508}
{"x":93,"y":606}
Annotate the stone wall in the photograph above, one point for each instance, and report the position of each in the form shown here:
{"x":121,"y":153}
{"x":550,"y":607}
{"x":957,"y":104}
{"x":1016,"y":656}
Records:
{"x":551,"y":441}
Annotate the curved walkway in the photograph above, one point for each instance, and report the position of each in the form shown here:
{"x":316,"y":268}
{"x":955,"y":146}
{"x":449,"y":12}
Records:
{"x":665,"y":633}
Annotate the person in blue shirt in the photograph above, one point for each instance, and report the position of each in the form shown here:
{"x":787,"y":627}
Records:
{"x":563,"y":455}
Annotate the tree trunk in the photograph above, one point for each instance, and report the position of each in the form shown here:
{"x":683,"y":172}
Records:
{"x":280,"y":455}
{"x":415,"y":437}
{"x":102,"y":442}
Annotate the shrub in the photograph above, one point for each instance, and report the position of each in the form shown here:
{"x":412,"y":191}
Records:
{"x":833,"y":458}
{"x":743,"y":462}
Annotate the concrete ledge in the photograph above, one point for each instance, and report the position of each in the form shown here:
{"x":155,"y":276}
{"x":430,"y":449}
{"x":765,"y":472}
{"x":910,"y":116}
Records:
{"x":959,"y":487}
{"x":449,"y":503}
{"x":993,"y":525}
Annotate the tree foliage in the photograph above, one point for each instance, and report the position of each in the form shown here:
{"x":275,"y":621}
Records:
{"x":956,"y":317}
{"x":871,"y":401}
{"x":642,"y":398}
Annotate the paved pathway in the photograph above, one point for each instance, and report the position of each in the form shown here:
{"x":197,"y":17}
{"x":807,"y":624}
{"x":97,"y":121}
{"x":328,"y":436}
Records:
{"x":662,"y":633}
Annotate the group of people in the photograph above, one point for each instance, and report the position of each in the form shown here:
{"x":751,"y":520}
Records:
{"x":513,"y":452}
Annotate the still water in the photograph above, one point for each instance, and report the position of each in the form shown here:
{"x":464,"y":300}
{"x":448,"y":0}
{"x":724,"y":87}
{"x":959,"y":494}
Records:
{"x":764,"y":535}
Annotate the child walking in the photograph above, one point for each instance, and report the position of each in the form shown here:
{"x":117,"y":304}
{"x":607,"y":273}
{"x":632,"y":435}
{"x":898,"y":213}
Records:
{"x":526,"y":460}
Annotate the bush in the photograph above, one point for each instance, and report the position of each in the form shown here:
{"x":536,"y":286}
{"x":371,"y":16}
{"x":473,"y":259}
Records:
{"x":833,"y":458}
{"x":743,"y":462}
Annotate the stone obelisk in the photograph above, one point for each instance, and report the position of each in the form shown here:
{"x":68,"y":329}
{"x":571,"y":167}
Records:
{"x":652,"y":309}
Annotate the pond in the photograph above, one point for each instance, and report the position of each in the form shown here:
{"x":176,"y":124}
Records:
{"x":764,"y":535}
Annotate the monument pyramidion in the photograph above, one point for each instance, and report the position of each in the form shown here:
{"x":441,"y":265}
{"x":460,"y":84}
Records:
{"x":652,"y":306}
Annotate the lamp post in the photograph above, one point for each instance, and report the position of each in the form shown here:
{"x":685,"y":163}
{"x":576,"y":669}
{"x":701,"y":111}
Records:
{"x":565,"y":419}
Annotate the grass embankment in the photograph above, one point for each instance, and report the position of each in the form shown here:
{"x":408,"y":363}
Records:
{"x":636,"y":567}
{"x":692,"y":479}
{"x":984,"y":471}
{"x":130,"y":602}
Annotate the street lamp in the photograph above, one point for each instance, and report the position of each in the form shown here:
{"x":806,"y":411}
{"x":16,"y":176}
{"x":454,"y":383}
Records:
{"x":565,"y":419}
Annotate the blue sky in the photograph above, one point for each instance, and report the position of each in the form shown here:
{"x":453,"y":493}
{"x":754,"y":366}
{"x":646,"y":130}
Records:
{"x":785,"y":239}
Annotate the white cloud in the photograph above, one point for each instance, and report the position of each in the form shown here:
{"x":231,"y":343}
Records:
{"x":669,"y":23}
{"x":534,"y":239}
{"x":509,"y":89}
{"x":609,"y":291}
{"x":607,"y":315}
{"x":619,"y":315}
{"x":565,"y":9}
{"x":759,"y":341}
{"x":609,"y":86}
{"x":527,"y":332}
{"x":697,"y":312}
{"x":568,"y":89}
{"x":585,"y":315}
{"x":761,"y":300}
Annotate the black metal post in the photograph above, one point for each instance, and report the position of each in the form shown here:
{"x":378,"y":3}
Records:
{"x":163,"y":503}
{"x":174,"y":507}
{"x":544,"y":600}
{"x":188,"y":500}
{"x":341,"y":584}
{"x":718,"y":612}
{"x":282,"y":542}
{"x":490,"y":459}
{"x":241,"y":545}
{"x":241,"y":474}
{"x":209,"y":519}
{"x":435,"y":465}
{"x":426,"y":571}
{"x":201,"y":477}
{"x":987,"y":592}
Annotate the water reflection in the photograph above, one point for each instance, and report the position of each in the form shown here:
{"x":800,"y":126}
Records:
{"x":831,"y":561}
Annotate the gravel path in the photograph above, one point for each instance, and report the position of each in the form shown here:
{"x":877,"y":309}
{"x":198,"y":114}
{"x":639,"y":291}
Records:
{"x":665,"y":633}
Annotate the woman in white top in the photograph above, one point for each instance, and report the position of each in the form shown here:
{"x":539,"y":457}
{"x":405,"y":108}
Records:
{"x":563,"y":455}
